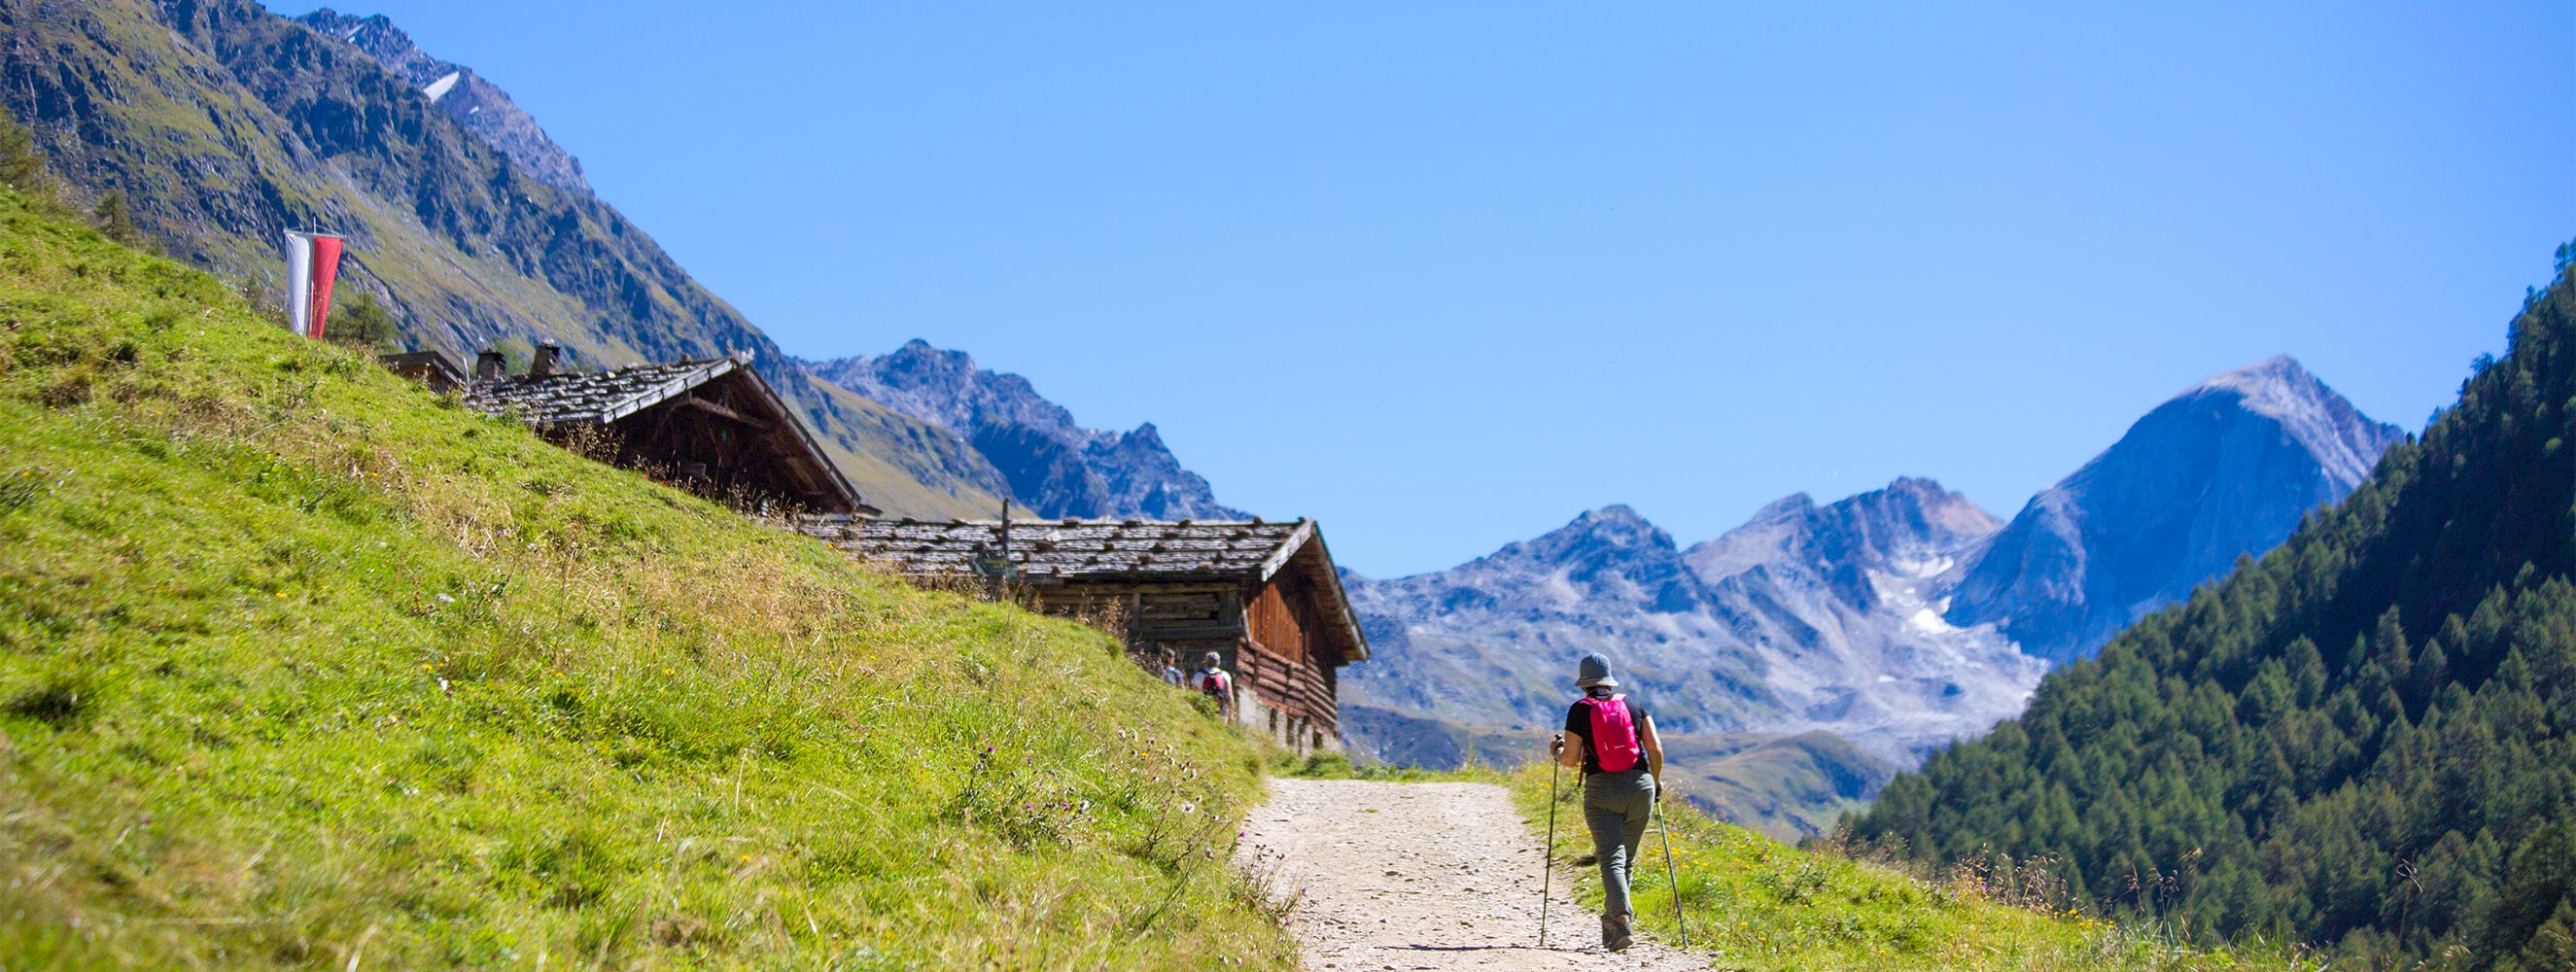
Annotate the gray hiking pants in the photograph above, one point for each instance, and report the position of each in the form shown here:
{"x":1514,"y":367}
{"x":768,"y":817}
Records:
{"x":1615,"y":806}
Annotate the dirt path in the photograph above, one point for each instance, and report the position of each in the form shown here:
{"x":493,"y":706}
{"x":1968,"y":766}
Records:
{"x":1423,"y":876}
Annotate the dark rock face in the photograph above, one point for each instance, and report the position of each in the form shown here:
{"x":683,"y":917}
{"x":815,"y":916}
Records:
{"x":2221,"y":471}
{"x":480,"y":106}
{"x":1055,"y":466}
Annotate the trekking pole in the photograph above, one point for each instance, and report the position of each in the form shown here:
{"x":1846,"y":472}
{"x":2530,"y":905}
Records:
{"x":1547,"y":854}
{"x":1670,"y":877}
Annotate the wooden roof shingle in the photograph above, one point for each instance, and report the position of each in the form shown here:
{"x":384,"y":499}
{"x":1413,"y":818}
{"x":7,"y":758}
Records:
{"x":1074,"y":551}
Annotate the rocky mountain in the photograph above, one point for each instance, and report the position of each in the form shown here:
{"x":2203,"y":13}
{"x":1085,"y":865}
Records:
{"x":482,"y":107}
{"x":1044,"y":459}
{"x":1900,"y":618}
{"x":1806,"y":618}
{"x":2221,"y":471}
{"x":223,"y":125}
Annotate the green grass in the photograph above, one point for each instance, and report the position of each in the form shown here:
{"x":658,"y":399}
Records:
{"x":1759,"y":905}
{"x":302,"y":666}
{"x":1335,"y":766}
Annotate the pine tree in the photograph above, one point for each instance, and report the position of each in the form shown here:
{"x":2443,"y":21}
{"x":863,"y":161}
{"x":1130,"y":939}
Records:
{"x":362,"y":323}
{"x":22,"y":166}
{"x":114,"y":220}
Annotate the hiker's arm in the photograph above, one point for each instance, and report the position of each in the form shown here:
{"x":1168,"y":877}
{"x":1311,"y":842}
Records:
{"x":1571,"y":749}
{"x":1654,"y":753}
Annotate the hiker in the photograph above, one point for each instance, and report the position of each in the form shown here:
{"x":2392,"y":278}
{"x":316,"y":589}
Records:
{"x":1614,"y":741}
{"x":1172,"y":674}
{"x":1212,"y":680}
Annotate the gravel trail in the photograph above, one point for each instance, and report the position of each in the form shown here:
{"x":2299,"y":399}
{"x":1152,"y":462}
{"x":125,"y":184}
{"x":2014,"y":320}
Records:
{"x":1424,"y":876}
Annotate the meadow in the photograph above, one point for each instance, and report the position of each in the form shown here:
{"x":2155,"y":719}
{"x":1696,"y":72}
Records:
{"x":302,"y":665}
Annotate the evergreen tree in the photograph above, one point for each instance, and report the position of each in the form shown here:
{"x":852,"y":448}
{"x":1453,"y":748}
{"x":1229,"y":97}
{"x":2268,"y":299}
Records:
{"x":113,"y":219}
{"x":362,"y":323}
{"x":22,"y":166}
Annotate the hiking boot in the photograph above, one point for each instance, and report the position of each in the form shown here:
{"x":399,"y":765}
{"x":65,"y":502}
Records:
{"x":1615,"y":935}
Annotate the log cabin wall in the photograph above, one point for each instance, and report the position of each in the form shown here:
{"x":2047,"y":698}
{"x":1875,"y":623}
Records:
{"x":1262,"y":596}
{"x":1283,"y":693}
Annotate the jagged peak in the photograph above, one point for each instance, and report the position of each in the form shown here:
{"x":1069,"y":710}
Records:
{"x":2345,"y":441}
{"x":1793,"y":506}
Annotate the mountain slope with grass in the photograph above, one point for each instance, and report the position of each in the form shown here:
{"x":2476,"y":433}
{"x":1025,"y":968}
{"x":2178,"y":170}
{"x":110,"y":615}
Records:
{"x":1753,"y":904}
{"x":302,"y":666}
{"x":2363,"y":740}
{"x":219,"y":125}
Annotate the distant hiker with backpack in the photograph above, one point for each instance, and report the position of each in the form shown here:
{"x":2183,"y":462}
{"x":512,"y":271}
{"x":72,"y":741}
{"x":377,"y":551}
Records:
{"x":1172,"y":674}
{"x":1212,"y":681}
{"x":1610,"y":736}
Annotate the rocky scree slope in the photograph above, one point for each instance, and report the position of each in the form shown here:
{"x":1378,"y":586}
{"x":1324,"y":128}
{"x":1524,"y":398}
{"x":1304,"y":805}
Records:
{"x":224,"y":125}
{"x":1044,"y":459}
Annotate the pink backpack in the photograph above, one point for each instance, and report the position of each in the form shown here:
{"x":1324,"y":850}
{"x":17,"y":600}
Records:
{"x":1614,"y":734}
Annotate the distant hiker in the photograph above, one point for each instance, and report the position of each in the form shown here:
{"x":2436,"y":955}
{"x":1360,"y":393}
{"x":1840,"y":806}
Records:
{"x":1623,"y":771}
{"x":1212,"y":681}
{"x":1172,"y":674}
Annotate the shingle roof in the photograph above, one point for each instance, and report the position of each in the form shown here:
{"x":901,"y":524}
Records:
{"x":592,"y":396}
{"x":1042,"y":549}
{"x":604,"y":397}
{"x":1075,"y":551}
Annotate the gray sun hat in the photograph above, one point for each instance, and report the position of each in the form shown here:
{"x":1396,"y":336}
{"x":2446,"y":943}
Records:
{"x":1594,"y":670}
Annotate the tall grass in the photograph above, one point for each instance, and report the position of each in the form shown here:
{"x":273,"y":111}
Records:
{"x":303,"y":666}
{"x":1758,"y":905}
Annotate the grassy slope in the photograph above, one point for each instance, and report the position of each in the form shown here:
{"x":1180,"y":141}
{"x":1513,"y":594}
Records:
{"x":299,"y":667}
{"x":1785,"y":787}
{"x":902,"y":465}
{"x":1762,"y":906}
{"x":210,"y":167}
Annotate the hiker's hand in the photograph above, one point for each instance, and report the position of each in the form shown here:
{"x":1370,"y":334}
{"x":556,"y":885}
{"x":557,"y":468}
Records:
{"x":1556,"y":745}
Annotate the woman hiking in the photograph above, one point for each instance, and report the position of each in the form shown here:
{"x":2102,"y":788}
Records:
{"x":1614,"y":741}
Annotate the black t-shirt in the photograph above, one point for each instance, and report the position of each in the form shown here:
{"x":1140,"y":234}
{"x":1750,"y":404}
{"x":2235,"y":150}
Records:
{"x":1578,"y":722}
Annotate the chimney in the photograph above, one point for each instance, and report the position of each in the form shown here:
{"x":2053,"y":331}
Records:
{"x":490,"y":365}
{"x":544,"y":363}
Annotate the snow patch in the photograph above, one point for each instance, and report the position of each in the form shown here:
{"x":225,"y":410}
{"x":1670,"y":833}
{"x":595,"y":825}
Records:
{"x":438,"y":89}
{"x":1928,"y":621}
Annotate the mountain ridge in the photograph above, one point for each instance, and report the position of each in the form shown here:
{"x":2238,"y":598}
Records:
{"x":1859,"y":616}
{"x":2230,"y":464}
{"x":478,"y":105}
{"x":1045,"y":459}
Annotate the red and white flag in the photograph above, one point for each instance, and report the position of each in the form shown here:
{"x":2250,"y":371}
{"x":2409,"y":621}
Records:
{"x":312,"y":260}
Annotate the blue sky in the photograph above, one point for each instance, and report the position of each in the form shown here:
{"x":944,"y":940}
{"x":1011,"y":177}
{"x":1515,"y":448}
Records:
{"x":1445,"y":276}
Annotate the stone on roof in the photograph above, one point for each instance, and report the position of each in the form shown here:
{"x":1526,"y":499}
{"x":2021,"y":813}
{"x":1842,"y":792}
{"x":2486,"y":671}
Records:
{"x":592,"y":396}
{"x":1063,"y":549}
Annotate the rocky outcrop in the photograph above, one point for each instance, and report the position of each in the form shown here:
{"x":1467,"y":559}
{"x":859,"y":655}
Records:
{"x":482,"y":107}
{"x":1050,"y":463}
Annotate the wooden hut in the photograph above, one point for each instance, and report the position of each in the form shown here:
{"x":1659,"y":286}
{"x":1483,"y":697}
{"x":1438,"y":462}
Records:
{"x":432,"y":368}
{"x":1263,"y":596}
{"x":712,"y":426}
